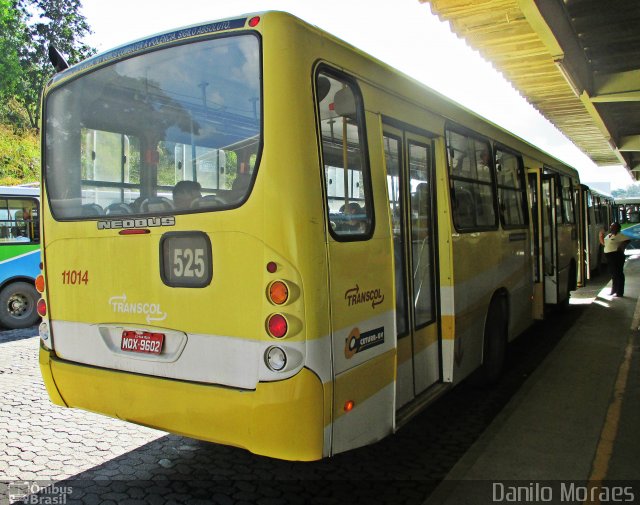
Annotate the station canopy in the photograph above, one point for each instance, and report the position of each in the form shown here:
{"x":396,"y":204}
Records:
{"x":576,"y":61}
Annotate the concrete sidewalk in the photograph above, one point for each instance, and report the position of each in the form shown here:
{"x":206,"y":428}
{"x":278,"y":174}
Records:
{"x":577,"y":418}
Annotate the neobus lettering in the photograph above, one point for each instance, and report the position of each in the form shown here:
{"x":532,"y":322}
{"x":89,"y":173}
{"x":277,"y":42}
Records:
{"x":149,"y":222}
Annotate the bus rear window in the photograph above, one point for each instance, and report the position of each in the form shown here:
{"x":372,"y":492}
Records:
{"x":171,"y":131}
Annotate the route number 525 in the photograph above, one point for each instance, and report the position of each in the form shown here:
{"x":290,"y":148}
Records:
{"x":188,"y":263}
{"x":186,"y":259}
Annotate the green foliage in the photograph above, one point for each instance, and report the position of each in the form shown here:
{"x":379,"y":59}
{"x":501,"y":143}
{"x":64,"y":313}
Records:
{"x":27,"y":28}
{"x":13,"y":38}
{"x":53,"y":22}
{"x":19,"y":156}
{"x":632,"y":191}
{"x":12,"y":113}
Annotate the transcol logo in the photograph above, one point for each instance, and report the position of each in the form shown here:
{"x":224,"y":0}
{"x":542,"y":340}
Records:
{"x":152,"y":311}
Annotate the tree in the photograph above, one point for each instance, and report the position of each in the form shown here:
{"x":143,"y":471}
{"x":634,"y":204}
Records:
{"x":12,"y":38}
{"x":57,"y":22}
{"x":631,"y":191}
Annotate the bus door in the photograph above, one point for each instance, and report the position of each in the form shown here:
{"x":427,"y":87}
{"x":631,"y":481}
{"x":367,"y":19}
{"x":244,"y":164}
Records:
{"x":536,"y":243}
{"x":410,"y":183}
{"x":360,"y":269}
{"x":550,"y":237}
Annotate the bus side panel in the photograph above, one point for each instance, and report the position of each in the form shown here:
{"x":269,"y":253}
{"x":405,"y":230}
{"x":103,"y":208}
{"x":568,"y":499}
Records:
{"x":498,"y":264}
{"x":472,"y":292}
{"x":20,"y":261}
{"x":371,"y":388}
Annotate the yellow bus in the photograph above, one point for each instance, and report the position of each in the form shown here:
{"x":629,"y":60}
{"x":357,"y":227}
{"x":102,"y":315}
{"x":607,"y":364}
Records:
{"x":257,"y":235}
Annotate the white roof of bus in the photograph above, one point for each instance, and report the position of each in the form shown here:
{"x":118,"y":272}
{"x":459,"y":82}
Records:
{"x":628,"y":200}
{"x":23,"y":190}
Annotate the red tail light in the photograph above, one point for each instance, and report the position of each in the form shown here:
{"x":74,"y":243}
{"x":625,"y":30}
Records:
{"x":277,"y":325}
{"x":42,"y":307}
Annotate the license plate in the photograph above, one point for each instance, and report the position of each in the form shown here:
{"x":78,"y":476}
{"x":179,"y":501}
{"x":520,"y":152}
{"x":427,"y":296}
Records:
{"x":142,"y":341}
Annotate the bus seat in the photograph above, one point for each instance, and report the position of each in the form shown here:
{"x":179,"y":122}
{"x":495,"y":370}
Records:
{"x":117,"y":209}
{"x":208,"y":201}
{"x":156,"y":204}
{"x":92,"y":209}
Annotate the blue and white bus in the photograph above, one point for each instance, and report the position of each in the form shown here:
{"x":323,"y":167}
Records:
{"x":19,"y":255}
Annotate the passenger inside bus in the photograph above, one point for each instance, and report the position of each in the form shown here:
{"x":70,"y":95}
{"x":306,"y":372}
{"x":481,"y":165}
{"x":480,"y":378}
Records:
{"x":26,"y":228}
{"x":353,"y":218}
{"x":185,"y":193}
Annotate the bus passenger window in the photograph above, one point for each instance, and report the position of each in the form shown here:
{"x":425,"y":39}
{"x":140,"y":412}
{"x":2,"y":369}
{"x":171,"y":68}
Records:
{"x":471,"y":179}
{"x":511,"y":189}
{"x":568,"y":213}
{"x":347,"y":179}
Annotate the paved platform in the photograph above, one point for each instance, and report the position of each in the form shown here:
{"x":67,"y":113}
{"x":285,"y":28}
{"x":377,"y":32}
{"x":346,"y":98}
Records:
{"x":572,"y":433}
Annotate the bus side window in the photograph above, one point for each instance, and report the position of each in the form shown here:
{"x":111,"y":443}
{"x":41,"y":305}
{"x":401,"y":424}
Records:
{"x":5,"y":221}
{"x":511,"y":189}
{"x":19,"y":220}
{"x":471,"y":179}
{"x":346,"y":167}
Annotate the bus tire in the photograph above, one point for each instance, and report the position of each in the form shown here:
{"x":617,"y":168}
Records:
{"x":495,"y":343}
{"x":18,"y":305}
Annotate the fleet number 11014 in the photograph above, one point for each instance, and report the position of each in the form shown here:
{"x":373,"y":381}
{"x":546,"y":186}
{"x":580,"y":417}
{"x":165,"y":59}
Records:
{"x":75,"y":277}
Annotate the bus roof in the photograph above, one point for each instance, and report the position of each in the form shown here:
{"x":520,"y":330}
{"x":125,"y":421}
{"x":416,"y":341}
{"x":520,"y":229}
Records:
{"x":25,"y":190}
{"x":628,"y":200}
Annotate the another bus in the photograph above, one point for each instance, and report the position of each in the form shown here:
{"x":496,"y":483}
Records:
{"x":19,"y":256}
{"x":597,"y":212}
{"x":628,"y":210}
{"x":355,"y":244}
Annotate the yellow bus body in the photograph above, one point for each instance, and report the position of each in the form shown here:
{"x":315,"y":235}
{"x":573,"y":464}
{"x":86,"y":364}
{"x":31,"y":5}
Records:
{"x":210,"y":381}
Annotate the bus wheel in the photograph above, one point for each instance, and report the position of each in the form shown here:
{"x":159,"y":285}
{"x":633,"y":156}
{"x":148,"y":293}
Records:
{"x":495,"y":343}
{"x":18,"y":303}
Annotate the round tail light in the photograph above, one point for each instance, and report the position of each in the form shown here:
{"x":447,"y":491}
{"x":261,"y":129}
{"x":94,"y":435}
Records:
{"x":40,"y":283}
{"x":42,"y":307}
{"x":278,"y":292}
{"x":275,"y":358}
{"x":277,"y":325}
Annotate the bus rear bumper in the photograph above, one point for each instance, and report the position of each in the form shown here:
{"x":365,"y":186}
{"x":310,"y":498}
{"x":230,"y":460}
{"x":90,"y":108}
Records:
{"x":282,"y":419}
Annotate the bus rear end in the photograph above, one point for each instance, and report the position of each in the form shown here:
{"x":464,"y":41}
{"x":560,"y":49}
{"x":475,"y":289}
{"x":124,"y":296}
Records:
{"x":165,"y":304}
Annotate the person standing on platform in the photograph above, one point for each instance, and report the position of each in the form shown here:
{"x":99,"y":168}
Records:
{"x":615,"y":243}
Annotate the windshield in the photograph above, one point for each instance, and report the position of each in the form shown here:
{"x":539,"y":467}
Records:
{"x":174,"y":130}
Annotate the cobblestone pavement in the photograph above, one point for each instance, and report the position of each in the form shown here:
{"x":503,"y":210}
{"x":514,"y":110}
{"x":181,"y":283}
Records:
{"x":90,"y":459}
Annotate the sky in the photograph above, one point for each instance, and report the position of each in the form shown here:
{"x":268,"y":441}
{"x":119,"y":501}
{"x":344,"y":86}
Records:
{"x":402,"y":33}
